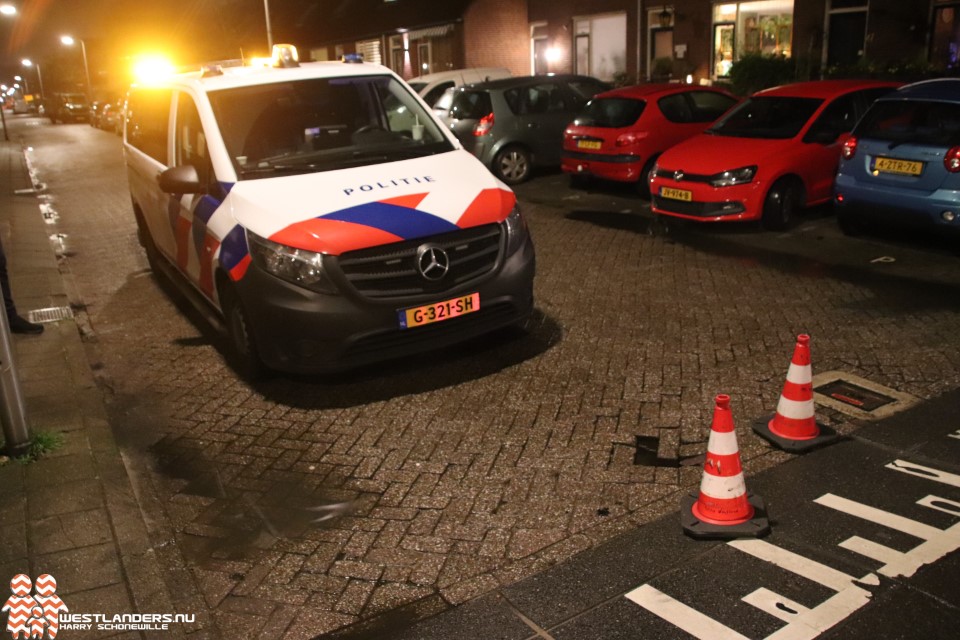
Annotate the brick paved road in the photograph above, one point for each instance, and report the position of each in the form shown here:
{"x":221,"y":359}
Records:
{"x":303,"y":505}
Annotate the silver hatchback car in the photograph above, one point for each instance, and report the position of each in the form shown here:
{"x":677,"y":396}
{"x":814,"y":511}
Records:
{"x":514,"y":124}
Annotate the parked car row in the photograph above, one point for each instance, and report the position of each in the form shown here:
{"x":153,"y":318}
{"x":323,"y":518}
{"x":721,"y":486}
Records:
{"x":107,"y":115}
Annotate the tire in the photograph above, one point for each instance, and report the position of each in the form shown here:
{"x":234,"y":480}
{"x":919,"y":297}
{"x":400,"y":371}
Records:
{"x":244,"y":351}
{"x":643,"y":184}
{"x":512,"y":164}
{"x":781,"y":205}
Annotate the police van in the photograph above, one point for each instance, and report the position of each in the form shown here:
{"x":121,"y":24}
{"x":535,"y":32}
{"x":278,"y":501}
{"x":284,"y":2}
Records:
{"x":321,"y":214}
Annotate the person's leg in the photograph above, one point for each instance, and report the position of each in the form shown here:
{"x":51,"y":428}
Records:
{"x":17,"y":324}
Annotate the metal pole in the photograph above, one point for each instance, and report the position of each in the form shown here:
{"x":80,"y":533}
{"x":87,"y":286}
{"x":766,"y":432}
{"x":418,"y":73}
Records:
{"x":266,"y":11}
{"x":3,"y":119}
{"x":13,"y":410}
{"x":40,"y":78}
{"x":86,"y":71}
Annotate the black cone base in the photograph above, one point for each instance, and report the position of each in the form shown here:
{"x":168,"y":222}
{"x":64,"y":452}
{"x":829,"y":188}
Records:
{"x":827,"y":436}
{"x":756,"y":527}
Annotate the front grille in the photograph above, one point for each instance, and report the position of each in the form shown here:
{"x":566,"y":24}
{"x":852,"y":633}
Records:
{"x":390,"y":271}
{"x":687,"y":177}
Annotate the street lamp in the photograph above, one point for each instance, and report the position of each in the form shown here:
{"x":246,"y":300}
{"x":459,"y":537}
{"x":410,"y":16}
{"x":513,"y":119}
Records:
{"x":8,"y":10}
{"x":27,"y":62}
{"x":69,"y":41}
{"x":266,"y":11}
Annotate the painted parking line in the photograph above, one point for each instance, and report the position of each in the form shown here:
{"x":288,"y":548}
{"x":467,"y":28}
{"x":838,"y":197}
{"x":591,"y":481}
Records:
{"x":803,"y":623}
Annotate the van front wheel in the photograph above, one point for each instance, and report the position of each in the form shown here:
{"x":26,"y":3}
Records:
{"x":245,"y":353}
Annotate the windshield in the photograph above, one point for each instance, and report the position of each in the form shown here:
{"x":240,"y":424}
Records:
{"x":322,"y":124}
{"x":417,"y":86}
{"x":770,"y":117}
{"x":611,"y":113}
{"x":906,"y":121}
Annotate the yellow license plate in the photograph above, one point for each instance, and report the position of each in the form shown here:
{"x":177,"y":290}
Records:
{"x":676,"y":194}
{"x":588,"y":144}
{"x":895,"y":165}
{"x":438,"y":311}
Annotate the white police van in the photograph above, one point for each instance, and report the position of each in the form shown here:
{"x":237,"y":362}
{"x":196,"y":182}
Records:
{"x":322,"y":213}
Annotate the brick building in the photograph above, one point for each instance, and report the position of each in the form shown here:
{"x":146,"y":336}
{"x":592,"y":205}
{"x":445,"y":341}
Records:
{"x":631,"y":40}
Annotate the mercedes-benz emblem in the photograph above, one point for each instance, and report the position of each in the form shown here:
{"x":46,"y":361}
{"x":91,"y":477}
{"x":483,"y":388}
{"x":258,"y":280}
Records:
{"x":432,"y":261}
{"x":678,"y":175}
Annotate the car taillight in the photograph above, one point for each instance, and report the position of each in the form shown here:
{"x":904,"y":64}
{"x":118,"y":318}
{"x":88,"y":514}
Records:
{"x":952,"y":160}
{"x":632,"y":137}
{"x":483,"y":127}
{"x":849,"y":148}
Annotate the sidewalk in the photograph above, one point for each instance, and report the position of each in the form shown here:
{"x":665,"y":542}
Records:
{"x":72,"y":514}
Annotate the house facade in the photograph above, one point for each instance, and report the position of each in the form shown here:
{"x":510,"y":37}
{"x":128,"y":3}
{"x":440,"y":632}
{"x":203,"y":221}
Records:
{"x":634,"y":40}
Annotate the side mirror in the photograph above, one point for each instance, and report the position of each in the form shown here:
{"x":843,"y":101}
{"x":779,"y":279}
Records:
{"x":182,"y":179}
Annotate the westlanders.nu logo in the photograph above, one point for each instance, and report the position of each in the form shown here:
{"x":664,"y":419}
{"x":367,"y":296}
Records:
{"x":42,"y":615}
{"x":34,"y":616}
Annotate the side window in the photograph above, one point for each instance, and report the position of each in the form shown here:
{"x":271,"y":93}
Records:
{"x":839,"y":117}
{"x":675,"y":108}
{"x":434,"y":94}
{"x":191,"y":142}
{"x":148,"y":120}
{"x":543,"y":98}
{"x":709,"y":105}
{"x":587,"y":88}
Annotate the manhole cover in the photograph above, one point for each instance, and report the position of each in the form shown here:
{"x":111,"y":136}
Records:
{"x":854,"y":395}
{"x":858,"y":396}
{"x":50,"y":314}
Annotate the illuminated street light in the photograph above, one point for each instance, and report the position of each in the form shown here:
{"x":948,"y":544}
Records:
{"x":27,"y":62}
{"x":70,"y":41}
{"x":8,"y":9}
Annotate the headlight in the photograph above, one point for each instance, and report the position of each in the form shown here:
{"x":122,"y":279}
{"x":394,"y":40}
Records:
{"x":301,"y":267}
{"x":734,"y":176}
{"x":516,"y":228}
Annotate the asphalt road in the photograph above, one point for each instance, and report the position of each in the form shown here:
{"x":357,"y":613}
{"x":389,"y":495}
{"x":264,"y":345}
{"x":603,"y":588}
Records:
{"x":470,"y":470}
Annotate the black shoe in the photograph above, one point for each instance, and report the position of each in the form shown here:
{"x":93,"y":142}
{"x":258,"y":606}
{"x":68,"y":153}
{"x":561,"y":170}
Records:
{"x":19,"y":325}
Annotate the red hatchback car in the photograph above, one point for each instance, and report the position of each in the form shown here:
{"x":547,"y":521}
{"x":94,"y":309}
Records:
{"x":774,"y":153}
{"x":620,"y":133}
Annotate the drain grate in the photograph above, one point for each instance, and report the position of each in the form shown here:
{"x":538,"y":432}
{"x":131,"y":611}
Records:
{"x":858,"y":396}
{"x":854,"y":395}
{"x":50,"y":314}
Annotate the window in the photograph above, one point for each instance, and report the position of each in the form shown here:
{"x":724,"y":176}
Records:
{"x":758,"y":27}
{"x":912,"y":121}
{"x":767,"y":117}
{"x":541,"y":98}
{"x":675,"y":108}
{"x":611,"y":113}
{"x":945,"y":46}
{"x":191,"y":142}
{"x":322,"y":124}
{"x":839,"y":117}
{"x":434,"y":94}
{"x":148,"y":120}
{"x":601,"y":45}
{"x":587,"y":87}
{"x":709,"y":105}
{"x":471,"y":105}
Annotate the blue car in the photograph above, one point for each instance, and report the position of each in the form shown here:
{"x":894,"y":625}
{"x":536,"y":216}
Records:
{"x":901,"y":164}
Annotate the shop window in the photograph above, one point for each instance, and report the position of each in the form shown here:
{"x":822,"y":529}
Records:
{"x":847,"y":31}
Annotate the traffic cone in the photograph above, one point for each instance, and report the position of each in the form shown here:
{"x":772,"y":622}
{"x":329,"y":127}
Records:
{"x":794,"y":428}
{"x":723,"y":508}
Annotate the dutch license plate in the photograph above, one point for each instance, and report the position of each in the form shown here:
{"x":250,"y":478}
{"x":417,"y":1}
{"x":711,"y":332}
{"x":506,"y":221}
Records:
{"x":588,"y":144}
{"x":438,"y":311}
{"x":900,"y":167}
{"x":676,"y":194}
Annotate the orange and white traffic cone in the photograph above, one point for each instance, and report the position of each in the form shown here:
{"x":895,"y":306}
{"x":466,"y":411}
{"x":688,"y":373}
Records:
{"x":723,"y":508}
{"x":794,"y":427}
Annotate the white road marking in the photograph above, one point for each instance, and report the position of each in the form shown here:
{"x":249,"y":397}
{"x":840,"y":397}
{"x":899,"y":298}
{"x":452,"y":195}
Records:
{"x":925,"y":472}
{"x":955,"y":434}
{"x":940,"y":504}
{"x":680,"y":615}
{"x":885,"y":518}
{"x":775,"y":604}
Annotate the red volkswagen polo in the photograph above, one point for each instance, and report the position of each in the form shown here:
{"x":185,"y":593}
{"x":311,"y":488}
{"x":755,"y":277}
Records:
{"x":620,"y":133}
{"x":774,"y":153}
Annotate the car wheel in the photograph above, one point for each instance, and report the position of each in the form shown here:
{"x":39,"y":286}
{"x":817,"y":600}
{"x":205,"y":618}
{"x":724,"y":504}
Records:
{"x":246,"y":356}
{"x":781,"y":205}
{"x":512,"y":164}
{"x":643,"y":184}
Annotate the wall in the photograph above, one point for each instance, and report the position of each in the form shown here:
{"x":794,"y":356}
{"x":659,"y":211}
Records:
{"x":496,"y":34}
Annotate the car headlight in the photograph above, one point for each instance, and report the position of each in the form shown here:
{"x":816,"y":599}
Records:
{"x":734,"y":176}
{"x":301,"y":267}
{"x":516,"y":228}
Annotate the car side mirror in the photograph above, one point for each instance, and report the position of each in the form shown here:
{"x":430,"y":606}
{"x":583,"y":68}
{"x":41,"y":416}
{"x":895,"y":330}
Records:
{"x":182,"y":179}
